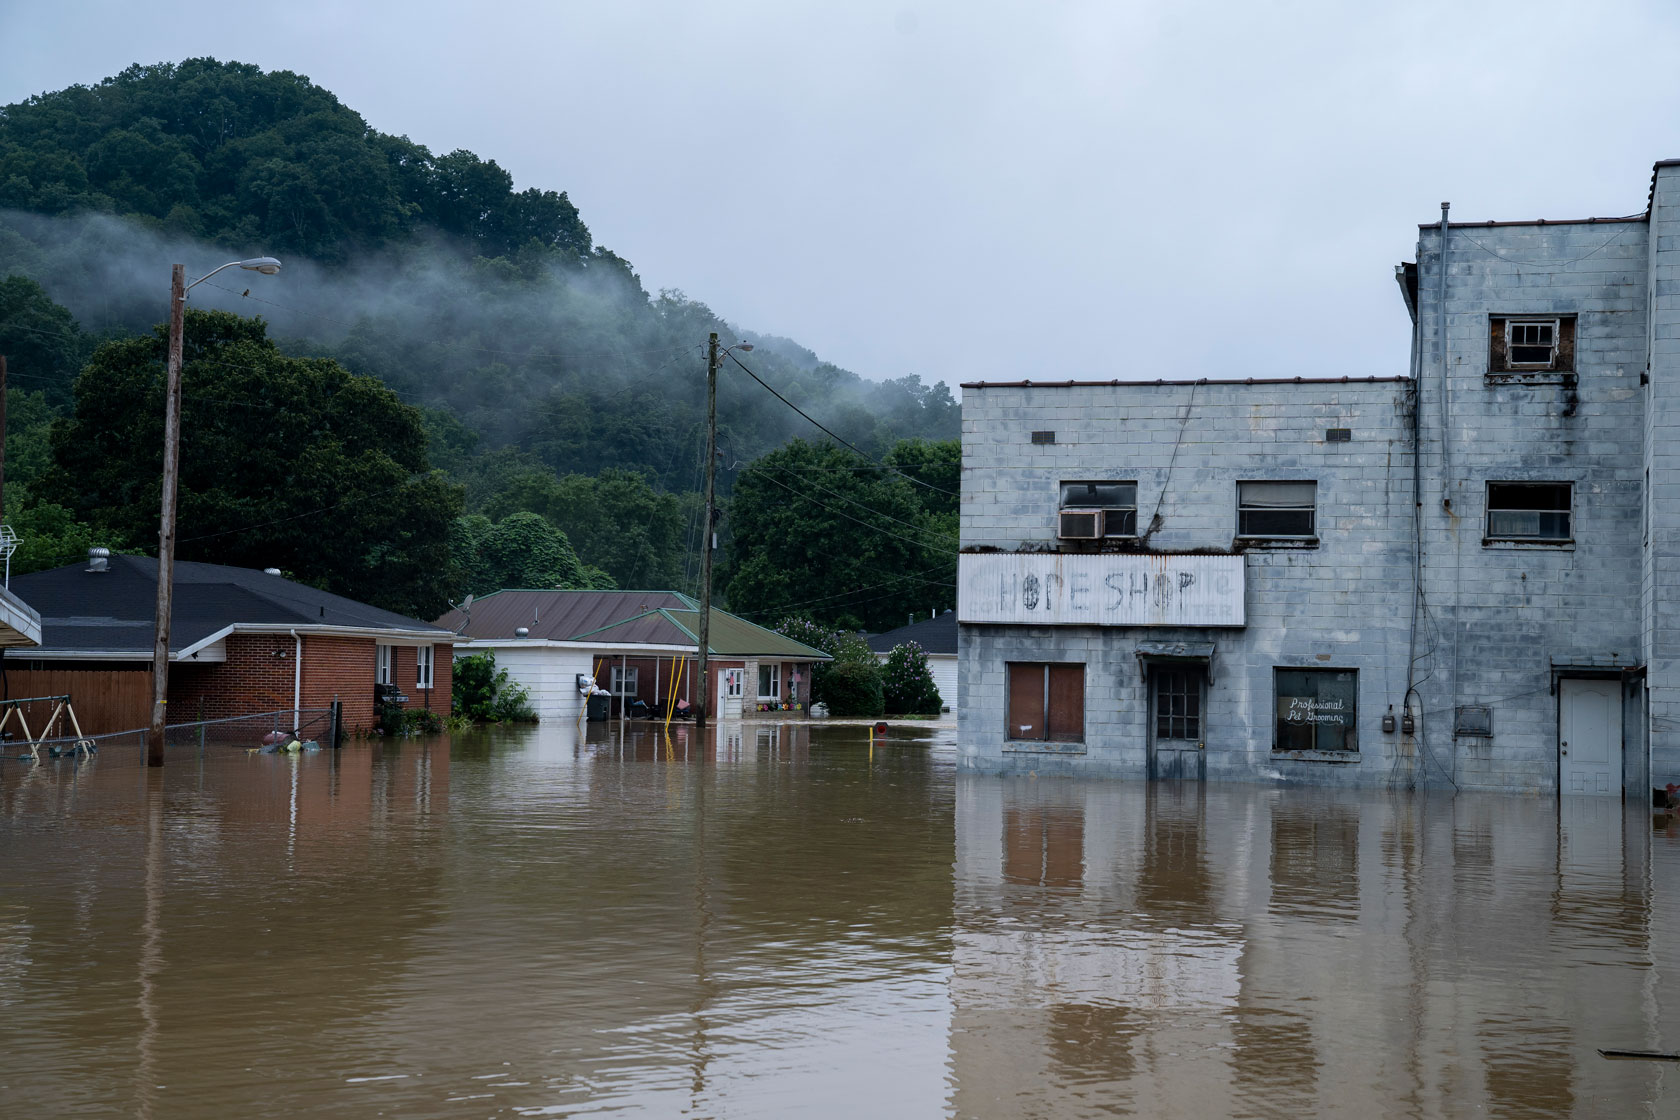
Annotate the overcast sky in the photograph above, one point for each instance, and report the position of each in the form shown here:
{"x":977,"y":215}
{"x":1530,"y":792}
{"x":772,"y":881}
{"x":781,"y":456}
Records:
{"x":972,"y":189}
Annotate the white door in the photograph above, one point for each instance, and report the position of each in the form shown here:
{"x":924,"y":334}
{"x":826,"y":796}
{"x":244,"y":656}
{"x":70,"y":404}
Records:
{"x":729,"y":693}
{"x":1590,"y":737}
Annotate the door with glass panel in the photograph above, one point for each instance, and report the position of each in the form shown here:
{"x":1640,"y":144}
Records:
{"x":1177,"y":699}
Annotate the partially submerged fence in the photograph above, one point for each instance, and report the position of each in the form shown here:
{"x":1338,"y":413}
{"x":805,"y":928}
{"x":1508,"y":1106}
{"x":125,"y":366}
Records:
{"x":259,"y":730}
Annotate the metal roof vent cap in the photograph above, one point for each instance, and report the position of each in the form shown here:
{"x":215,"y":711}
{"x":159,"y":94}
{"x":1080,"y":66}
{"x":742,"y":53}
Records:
{"x":99,"y":559}
{"x":271,"y":571}
{"x":522,"y":632}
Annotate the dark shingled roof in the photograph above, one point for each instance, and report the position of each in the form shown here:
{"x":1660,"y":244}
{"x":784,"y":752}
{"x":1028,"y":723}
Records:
{"x":112,"y":611}
{"x":934,"y":635}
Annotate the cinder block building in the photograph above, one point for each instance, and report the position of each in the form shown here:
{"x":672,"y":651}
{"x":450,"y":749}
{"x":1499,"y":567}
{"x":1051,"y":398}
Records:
{"x":1466,"y":574}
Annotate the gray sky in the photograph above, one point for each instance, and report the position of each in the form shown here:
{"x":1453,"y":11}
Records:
{"x":977,"y":189}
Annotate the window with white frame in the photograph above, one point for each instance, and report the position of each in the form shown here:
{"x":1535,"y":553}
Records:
{"x":732,"y":684}
{"x":1097,"y":510}
{"x":1530,"y":344}
{"x":770,"y":681}
{"x":1277,"y":509}
{"x":423,"y":667}
{"x":624,"y":680}
{"x":1529,"y":511}
{"x":382,"y":673}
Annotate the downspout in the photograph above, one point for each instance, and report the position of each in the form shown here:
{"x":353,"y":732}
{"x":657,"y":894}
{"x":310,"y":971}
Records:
{"x":1441,"y":341}
{"x":297,"y":680}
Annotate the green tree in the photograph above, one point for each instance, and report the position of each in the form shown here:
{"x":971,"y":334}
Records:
{"x":907,"y":682}
{"x":286,"y":462}
{"x":616,"y":520}
{"x":816,"y":527}
{"x":850,"y":685}
{"x":520,"y":550}
{"x":41,"y":341}
{"x":483,"y":693}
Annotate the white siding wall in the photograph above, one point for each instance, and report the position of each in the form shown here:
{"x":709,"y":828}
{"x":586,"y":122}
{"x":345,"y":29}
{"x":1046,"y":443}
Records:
{"x":943,"y":666}
{"x":549,"y":674}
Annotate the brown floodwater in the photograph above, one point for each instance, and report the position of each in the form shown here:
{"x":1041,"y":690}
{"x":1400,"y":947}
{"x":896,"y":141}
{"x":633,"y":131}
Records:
{"x":785,"y":921}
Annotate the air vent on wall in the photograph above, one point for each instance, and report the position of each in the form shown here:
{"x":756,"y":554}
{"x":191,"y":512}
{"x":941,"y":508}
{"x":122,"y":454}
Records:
{"x":1044,"y":437}
{"x":1339,"y":435}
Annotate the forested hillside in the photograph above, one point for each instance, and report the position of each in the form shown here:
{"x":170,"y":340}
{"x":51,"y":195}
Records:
{"x":547,"y":379}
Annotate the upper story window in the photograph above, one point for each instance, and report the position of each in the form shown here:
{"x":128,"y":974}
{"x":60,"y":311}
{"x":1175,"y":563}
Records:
{"x":423,"y":667}
{"x":1091,"y":511}
{"x":1531,"y":344}
{"x":1277,"y":509}
{"x":1529,"y":511}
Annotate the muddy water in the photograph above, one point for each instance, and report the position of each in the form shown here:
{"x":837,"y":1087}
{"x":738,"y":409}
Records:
{"x":785,"y":922}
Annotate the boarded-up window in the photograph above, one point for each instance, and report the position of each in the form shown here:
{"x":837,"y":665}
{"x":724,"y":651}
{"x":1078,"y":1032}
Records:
{"x":1317,"y":710}
{"x":1047,"y":702}
{"x":1531,"y":344}
{"x":1276,"y":509}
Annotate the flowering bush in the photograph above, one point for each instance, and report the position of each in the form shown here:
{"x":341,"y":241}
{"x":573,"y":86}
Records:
{"x":851,"y":684}
{"x":907,"y":683}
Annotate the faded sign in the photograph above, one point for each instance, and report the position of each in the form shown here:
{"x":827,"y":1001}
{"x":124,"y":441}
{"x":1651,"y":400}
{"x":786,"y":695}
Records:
{"x":1122,"y":589}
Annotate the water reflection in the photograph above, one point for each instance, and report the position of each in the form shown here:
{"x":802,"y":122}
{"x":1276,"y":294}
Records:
{"x":1206,"y":950}
{"x":774,"y":920}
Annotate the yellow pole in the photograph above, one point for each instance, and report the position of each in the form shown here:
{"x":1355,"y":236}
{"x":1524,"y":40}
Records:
{"x":671,"y":704}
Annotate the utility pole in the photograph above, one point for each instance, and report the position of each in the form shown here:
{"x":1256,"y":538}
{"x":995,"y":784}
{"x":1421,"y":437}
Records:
{"x":700,"y":678}
{"x":166,"y":530}
{"x":2,"y":437}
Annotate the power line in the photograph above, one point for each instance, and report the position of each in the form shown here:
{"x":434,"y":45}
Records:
{"x":842,"y":513}
{"x":830,"y":433}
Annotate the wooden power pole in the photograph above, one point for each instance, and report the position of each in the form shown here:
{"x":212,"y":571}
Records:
{"x":700,"y":678}
{"x":166,"y":530}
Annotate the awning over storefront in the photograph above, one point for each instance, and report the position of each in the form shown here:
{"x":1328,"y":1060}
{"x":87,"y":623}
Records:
{"x":1196,"y":653}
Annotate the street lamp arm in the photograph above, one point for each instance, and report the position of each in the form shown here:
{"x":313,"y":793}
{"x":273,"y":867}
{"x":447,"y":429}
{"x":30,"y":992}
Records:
{"x":268,"y":266}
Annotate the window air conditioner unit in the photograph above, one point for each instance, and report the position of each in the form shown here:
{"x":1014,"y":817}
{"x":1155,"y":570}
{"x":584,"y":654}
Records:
{"x":1080,"y":525}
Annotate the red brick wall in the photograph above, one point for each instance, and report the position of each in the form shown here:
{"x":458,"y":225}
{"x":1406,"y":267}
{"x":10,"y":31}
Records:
{"x":256,"y":677}
{"x":340,"y":668}
{"x":406,"y":666}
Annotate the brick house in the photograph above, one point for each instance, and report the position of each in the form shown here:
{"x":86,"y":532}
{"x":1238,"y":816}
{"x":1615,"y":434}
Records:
{"x":241,"y":641}
{"x":640,"y":645}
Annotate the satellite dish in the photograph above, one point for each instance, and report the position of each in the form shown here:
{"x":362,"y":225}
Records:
{"x":466,"y":604}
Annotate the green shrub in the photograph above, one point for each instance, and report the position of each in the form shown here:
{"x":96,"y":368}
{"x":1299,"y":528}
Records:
{"x":853,"y":688}
{"x":420,"y":721}
{"x":907,"y":682}
{"x":392,"y":719}
{"x":482,"y":693}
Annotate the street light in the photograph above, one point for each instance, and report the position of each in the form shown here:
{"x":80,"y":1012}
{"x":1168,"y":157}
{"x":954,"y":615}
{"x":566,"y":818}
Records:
{"x":178,"y":288}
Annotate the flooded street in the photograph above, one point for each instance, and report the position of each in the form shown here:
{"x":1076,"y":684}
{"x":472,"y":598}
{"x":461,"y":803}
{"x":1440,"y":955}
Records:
{"x":788,"y":922}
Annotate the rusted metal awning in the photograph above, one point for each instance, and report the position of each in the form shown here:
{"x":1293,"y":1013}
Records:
{"x":1192,"y":653}
{"x":1598,"y":665}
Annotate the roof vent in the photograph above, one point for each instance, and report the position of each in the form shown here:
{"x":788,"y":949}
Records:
{"x":99,"y":559}
{"x":522,"y":632}
{"x":271,"y":571}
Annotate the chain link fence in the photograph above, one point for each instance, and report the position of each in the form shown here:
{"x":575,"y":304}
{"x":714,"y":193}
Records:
{"x":257,"y":731}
